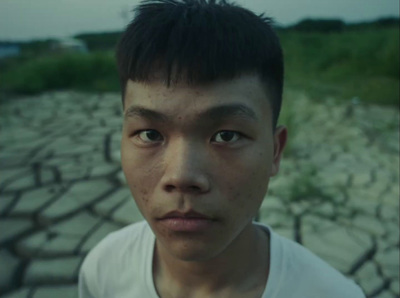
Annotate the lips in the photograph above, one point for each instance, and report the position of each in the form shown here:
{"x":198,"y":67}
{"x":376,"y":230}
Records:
{"x":190,"y":221}
{"x":189,"y":214}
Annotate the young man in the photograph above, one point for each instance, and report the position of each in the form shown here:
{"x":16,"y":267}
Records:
{"x":202,"y":86}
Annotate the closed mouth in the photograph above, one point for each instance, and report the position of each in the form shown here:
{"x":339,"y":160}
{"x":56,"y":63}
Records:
{"x":191,"y":214}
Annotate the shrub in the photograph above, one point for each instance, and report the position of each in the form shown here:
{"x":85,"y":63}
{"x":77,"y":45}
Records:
{"x":355,"y":63}
{"x":77,"y":71}
{"x":362,"y":62}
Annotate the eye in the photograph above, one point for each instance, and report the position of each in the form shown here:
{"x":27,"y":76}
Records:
{"x":149,"y":136}
{"x":226,"y":136}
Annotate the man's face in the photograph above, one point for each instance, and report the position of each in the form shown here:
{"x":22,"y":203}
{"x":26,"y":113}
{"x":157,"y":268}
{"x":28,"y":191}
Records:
{"x":209,"y":150}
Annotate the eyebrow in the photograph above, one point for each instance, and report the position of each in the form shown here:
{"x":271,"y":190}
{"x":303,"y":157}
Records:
{"x":214,"y":113}
{"x":230,"y":110}
{"x":137,"y":111}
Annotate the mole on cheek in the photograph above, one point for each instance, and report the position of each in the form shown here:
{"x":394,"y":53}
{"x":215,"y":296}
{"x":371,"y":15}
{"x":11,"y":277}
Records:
{"x":143,"y":194}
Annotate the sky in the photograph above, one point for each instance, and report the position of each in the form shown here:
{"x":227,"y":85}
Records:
{"x":22,"y":20}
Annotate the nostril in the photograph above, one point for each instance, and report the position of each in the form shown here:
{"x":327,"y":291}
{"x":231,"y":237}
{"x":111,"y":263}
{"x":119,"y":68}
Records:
{"x":169,"y":188}
{"x":192,"y":188}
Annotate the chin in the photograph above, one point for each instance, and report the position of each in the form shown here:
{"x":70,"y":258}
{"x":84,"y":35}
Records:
{"x":194,"y":255}
{"x":193,"y":251}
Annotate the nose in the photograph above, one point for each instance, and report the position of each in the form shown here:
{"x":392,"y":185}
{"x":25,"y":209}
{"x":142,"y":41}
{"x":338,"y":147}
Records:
{"x":185,"y":164}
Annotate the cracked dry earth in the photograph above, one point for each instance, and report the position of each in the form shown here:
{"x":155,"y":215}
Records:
{"x":62,"y":189}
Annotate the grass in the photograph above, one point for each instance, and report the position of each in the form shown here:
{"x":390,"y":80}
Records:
{"x":362,"y":63}
{"x":306,"y":188}
{"x":86,"y":72}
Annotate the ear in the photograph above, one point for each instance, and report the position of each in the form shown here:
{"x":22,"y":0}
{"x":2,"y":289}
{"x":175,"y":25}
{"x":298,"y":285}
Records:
{"x":280,"y":137}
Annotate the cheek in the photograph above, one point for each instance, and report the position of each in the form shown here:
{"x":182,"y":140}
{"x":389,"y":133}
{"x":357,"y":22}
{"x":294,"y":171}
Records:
{"x":247,"y":185}
{"x":249,"y":176}
{"x":142,"y":194}
{"x":141,"y":176}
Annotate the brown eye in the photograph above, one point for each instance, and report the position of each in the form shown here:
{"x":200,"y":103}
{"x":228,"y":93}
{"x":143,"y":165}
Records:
{"x":150,"y":136}
{"x":226,"y":136}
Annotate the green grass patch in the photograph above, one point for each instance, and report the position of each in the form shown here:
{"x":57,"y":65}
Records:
{"x":356,"y":63}
{"x":86,"y":72}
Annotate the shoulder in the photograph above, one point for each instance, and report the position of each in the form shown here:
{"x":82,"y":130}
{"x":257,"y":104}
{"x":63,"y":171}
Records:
{"x":306,"y":273}
{"x":124,"y":239}
{"x":313,"y":271}
{"x":115,"y":256}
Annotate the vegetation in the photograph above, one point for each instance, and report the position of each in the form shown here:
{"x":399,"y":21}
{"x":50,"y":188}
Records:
{"x":362,"y":63}
{"x":324,"y":58}
{"x":87,"y":72}
{"x":101,"y":41}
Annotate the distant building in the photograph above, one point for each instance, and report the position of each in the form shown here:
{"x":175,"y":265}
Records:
{"x":9,"y":50}
{"x":68,"y":45}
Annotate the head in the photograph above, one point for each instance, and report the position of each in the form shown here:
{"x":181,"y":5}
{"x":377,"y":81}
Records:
{"x":202,"y":86}
{"x":199,"y":42}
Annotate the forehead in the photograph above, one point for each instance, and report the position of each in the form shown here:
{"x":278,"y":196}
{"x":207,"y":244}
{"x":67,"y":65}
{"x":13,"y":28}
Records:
{"x":183,"y":99}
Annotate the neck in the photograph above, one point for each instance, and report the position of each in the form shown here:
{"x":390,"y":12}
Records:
{"x":237,"y":268}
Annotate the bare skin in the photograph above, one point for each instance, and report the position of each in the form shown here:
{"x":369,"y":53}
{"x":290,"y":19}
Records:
{"x":211,"y":150}
{"x":223,"y":277}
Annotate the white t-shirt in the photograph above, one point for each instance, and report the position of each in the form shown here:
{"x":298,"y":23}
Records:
{"x":120,"y":266}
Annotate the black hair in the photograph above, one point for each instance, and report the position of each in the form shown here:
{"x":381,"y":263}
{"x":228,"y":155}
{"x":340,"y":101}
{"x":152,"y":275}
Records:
{"x":200,"y":41}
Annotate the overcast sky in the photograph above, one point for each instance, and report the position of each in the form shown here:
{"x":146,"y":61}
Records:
{"x":39,"y":19}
